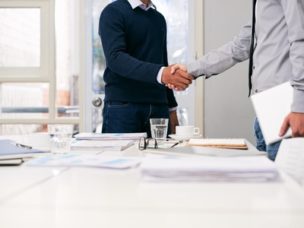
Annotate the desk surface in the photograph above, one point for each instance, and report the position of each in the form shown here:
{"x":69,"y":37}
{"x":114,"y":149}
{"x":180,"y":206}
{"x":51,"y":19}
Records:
{"x":81,"y":197}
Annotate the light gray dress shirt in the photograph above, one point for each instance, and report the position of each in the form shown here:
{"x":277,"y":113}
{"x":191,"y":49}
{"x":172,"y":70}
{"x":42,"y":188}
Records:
{"x":279,"y":49}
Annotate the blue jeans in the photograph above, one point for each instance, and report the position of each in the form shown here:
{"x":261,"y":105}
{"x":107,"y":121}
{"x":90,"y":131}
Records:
{"x":125,"y":117}
{"x":271,"y":149}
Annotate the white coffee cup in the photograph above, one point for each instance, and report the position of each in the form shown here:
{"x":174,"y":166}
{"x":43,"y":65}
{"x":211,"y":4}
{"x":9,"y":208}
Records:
{"x":187,"y":131}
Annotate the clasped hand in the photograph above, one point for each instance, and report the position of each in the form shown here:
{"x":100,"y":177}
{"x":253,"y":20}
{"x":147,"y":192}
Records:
{"x":176,"y":77}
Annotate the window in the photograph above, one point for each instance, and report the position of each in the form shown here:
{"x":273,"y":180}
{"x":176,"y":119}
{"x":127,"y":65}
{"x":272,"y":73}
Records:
{"x":33,"y":92}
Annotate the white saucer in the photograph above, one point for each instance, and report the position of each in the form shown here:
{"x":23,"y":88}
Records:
{"x":183,"y":137}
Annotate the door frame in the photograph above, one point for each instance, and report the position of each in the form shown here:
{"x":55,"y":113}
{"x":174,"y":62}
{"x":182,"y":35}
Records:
{"x":85,"y":34}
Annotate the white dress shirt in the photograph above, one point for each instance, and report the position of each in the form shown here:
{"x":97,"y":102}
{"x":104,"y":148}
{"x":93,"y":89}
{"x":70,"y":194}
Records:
{"x":137,"y":3}
{"x":279,"y":49}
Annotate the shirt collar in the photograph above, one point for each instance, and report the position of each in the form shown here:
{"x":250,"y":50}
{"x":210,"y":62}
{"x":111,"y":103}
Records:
{"x":137,"y":3}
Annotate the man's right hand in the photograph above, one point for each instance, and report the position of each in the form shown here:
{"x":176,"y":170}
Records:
{"x":179,"y":79}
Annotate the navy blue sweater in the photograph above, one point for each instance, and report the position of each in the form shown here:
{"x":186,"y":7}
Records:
{"x":135,"y":47}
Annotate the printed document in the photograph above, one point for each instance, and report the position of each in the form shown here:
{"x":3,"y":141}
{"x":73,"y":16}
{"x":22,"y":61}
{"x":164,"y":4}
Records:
{"x":290,"y":158}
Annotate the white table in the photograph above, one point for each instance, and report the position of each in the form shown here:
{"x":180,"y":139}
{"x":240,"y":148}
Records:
{"x":81,"y":197}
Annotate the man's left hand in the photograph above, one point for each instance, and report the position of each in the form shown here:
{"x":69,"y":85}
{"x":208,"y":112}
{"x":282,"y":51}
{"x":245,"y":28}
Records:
{"x":295,"y":121}
{"x":173,"y":121}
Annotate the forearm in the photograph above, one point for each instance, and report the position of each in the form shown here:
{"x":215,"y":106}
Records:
{"x":223,"y":58}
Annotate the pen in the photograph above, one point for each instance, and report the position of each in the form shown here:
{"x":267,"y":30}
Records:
{"x":23,"y":146}
{"x":175,"y":144}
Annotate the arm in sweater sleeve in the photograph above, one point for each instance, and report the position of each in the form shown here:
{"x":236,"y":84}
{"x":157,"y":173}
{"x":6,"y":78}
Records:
{"x":111,"y":31}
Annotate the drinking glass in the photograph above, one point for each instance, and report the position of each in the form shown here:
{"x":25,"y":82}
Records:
{"x":159,"y":128}
{"x":60,"y":137}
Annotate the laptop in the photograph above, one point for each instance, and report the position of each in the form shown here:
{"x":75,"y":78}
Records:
{"x":271,"y":108}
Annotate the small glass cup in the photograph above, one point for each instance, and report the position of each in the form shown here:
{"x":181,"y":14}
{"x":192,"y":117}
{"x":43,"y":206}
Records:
{"x":159,"y":128}
{"x":60,"y":137}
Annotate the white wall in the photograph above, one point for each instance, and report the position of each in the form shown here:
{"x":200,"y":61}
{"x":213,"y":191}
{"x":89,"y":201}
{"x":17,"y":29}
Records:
{"x":228,"y":111}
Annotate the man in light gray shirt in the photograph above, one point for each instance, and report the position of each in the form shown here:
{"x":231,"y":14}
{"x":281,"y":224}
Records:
{"x":278,"y":57}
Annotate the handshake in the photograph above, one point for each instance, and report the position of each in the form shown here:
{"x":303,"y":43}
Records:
{"x":176,"y":77}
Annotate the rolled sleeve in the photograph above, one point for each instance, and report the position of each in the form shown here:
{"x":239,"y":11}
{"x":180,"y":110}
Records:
{"x":294,"y":15}
{"x":298,"y":101}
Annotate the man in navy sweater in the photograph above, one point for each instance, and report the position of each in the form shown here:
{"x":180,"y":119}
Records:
{"x":133,"y":36}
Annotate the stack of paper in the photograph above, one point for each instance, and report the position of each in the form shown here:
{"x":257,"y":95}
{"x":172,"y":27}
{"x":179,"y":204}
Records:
{"x":237,"y":169}
{"x":220,"y":143}
{"x":110,"y":136}
{"x":105,"y":142}
{"x":290,"y":158}
{"x":92,"y":161}
{"x":97,"y":145}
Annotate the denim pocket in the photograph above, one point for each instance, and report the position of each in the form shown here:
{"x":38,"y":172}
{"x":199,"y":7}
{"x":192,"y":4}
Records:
{"x":118,"y":104}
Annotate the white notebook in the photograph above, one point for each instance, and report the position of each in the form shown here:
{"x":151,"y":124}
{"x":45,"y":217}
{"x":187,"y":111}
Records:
{"x":271,"y":107}
{"x":220,"y":143}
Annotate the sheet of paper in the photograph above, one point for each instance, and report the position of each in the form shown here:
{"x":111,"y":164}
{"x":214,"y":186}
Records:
{"x":290,"y":158}
{"x":271,"y":107}
{"x":78,"y":160}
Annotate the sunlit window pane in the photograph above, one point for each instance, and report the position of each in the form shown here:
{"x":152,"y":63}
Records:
{"x":177,"y":17}
{"x":19,"y":37}
{"x":67,"y":60}
{"x":22,"y":129}
{"x":7,"y":129}
{"x":99,"y":62}
{"x":24,"y":100}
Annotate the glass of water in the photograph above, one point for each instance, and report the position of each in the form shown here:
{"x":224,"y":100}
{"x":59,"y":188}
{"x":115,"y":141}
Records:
{"x":159,"y":128}
{"x":60,"y":137}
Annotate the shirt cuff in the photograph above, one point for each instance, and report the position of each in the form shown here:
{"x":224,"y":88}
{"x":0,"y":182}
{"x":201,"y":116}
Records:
{"x":298,"y":101}
{"x":159,"y":75}
{"x":195,"y":69}
{"x":172,"y":109}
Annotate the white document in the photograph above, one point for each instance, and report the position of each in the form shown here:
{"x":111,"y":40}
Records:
{"x":271,"y":107}
{"x":290,"y":158}
{"x":236,"y":169}
{"x":103,"y":145}
{"x":110,"y":136}
{"x":93,"y":161}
